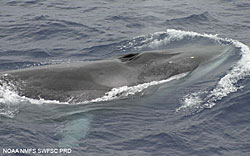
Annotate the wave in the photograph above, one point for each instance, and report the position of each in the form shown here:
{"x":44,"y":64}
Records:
{"x":192,"y":19}
{"x":227,"y":84}
{"x":162,"y":40}
{"x":32,"y":53}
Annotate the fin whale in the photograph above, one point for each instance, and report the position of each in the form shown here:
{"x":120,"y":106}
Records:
{"x":81,"y":81}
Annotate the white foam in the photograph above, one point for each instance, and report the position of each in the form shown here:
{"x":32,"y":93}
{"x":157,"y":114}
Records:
{"x":9,"y":96}
{"x":124,"y":91}
{"x":192,"y":100}
{"x":227,"y":84}
{"x":154,"y":42}
{"x":7,"y":93}
{"x":8,"y":113}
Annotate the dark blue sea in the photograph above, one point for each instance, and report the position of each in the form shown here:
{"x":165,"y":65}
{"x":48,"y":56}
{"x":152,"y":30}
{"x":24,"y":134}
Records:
{"x":205,"y":113}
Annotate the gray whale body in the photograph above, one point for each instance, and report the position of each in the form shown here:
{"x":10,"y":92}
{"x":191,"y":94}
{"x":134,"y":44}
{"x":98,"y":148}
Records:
{"x":81,"y":81}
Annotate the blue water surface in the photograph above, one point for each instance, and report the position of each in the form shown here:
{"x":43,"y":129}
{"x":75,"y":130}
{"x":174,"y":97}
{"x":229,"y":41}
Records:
{"x":182,"y":117}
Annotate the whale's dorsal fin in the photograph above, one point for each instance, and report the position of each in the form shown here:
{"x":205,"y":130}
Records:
{"x":128,"y":57}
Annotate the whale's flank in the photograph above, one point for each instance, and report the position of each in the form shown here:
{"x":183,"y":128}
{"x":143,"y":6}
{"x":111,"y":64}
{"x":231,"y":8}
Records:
{"x":76,"y":82}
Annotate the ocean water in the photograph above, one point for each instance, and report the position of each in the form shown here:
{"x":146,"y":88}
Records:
{"x":205,"y":112}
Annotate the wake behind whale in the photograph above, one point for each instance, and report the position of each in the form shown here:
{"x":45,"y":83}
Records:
{"x":85,"y":81}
